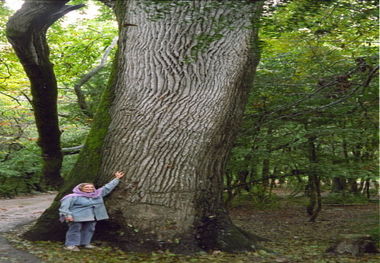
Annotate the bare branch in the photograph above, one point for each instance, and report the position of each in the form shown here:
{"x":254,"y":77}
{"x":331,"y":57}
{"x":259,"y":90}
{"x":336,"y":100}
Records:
{"x":26,"y":96}
{"x":85,"y":78}
{"x":13,"y":98}
{"x":72,"y":150}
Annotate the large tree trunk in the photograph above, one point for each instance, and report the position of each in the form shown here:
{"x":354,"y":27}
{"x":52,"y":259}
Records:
{"x":26,"y":31}
{"x":172,"y":124}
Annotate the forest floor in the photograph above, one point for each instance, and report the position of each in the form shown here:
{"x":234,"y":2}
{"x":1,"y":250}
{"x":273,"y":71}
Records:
{"x":285,"y":223}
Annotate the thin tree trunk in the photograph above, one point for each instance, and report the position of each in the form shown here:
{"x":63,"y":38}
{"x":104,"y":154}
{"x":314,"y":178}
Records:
{"x":26,"y":31}
{"x":366,"y":188}
{"x":315,"y":204}
{"x":230,"y":191}
{"x":338,"y":184}
{"x":266,"y":163}
{"x":357,"y":153}
{"x":273,"y":180}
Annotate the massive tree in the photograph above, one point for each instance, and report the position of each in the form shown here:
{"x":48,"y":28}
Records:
{"x":168,"y":119}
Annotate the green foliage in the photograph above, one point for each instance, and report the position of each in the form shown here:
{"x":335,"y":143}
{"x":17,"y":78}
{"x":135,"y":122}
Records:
{"x":76,"y":47}
{"x":94,"y":140}
{"x":12,"y":76}
{"x":19,"y":171}
{"x":68,"y":164}
{"x":311,"y":82}
{"x":317,"y":79}
{"x":344,"y":198}
{"x":257,"y":199}
{"x":375,"y":233}
{"x":73,"y":134}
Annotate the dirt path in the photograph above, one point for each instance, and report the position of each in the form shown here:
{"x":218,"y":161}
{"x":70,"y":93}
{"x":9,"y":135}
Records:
{"x":22,"y":210}
{"x":15,"y":212}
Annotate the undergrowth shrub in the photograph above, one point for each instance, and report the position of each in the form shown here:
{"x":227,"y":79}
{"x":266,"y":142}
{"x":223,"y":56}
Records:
{"x":344,"y":198}
{"x":19,"y":173}
{"x":375,"y":234}
{"x":252,"y":200}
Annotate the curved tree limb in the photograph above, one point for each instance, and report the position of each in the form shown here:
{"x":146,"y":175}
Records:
{"x":9,"y":96}
{"x":77,"y":87}
{"x":26,"y":31}
{"x":72,"y":150}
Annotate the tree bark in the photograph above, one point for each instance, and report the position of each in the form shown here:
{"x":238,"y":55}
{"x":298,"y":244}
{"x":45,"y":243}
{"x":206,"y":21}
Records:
{"x":338,"y":184}
{"x":179,"y":95}
{"x":315,"y":202}
{"x":26,"y":31}
{"x":266,"y":163}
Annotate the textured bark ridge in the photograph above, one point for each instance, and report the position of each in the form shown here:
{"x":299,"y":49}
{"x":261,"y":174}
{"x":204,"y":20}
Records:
{"x":170,"y":115}
{"x":182,"y":85}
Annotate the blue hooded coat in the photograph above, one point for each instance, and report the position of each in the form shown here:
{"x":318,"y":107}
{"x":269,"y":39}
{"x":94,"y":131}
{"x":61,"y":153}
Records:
{"x":83,"y":209}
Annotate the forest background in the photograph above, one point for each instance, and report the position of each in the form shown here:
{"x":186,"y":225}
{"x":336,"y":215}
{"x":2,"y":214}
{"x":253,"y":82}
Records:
{"x":316,"y":88}
{"x":311,"y":123}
